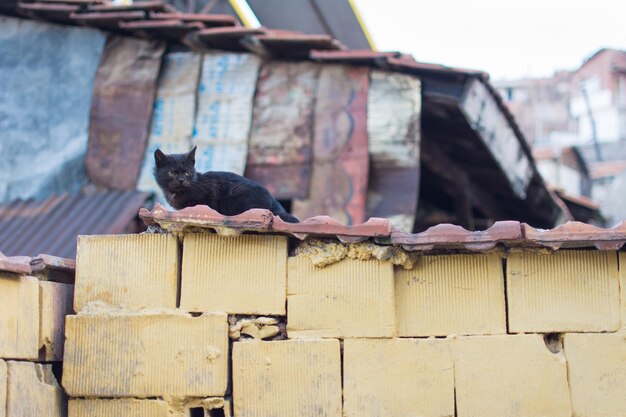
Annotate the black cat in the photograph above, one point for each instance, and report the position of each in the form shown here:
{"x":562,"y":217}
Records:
{"x":225,"y":192}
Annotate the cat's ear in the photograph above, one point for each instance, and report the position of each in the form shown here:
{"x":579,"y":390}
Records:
{"x":159,"y":157}
{"x":191,"y":155}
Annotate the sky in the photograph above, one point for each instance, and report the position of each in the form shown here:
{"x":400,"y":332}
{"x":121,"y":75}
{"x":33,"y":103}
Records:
{"x":509,"y":40}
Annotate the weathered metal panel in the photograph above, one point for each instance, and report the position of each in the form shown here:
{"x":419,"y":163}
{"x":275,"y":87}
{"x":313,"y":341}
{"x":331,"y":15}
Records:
{"x":281,"y":136}
{"x":393,"y":129}
{"x":173,"y":115}
{"x":484,"y":115}
{"x":341,"y":163}
{"x":121,"y":110}
{"x":225,"y":95}
{"x":46,"y":79}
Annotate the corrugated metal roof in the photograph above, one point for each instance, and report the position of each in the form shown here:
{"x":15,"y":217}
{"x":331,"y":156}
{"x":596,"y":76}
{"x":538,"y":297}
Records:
{"x":29,"y":228}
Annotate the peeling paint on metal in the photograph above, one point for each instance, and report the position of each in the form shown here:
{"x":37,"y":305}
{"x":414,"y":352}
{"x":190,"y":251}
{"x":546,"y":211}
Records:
{"x":341,"y":161}
{"x":281,"y":135}
{"x":222,"y":126}
{"x":121,"y":110}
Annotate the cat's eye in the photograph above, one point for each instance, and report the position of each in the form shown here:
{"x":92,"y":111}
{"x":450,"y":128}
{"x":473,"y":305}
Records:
{"x":188,"y":173}
{"x":170,"y":173}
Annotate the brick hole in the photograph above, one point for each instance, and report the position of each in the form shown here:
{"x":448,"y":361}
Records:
{"x":195,"y":314}
{"x":554,"y":342}
{"x":196,"y":412}
{"x":219,"y":412}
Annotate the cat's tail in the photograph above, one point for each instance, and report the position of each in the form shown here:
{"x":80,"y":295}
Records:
{"x":289,"y":218}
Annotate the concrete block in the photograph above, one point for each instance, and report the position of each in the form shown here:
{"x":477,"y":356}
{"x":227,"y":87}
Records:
{"x":19,"y":317}
{"x":134,"y":271}
{"x":118,"y":407}
{"x":451,"y":294}
{"x":596,"y":366}
{"x":3,"y":388}
{"x":146,"y":355}
{"x":514,"y":375}
{"x":289,"y":378}
{"x":244,"y":274}
{"x":55,"y":301}
{"x":398,"y":377}
{"x":34,"y":391}
{"x":564,"y":291}
{"x":350,"y":298}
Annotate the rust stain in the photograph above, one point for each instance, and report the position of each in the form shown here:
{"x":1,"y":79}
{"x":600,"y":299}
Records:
{"x":281,"y":135}
{"x":340,"y":149}
{"x":121,"y":110}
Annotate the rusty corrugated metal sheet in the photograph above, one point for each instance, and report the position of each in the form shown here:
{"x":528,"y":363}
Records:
{"x":281,"y":135}
{"x":173,"y":116}
{"x":340,"y":149}
{"x":121,"y":110}
{"x":222,"y":127}
{"x":393,"y":129}
{"x":29,"y":228}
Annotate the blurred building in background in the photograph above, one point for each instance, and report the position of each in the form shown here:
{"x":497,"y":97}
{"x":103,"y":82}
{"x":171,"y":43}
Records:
{"x":583,"y":113}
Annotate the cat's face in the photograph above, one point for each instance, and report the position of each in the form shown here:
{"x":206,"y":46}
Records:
{"x":175,"y":172}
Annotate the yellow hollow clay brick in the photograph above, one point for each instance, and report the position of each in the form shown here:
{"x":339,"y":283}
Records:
{"x":565,"y":291}
{"x":350,"y":298}
{"x":398,"y":377}
{"x":135,"y":271}
{"x":451,"y":294}
{"x":514,"y":375}
{"x":146,"y":355}
{"x":55,"y":303}
{"x":289,"y":378}
{"x":244,"y":274}
{"x":19,"y":317}
{"x":118,"y":408}
{"x":622,"y":279}
{"x":33,"y":391}
{"x":596,"y":366}
{"x":3,"y":388}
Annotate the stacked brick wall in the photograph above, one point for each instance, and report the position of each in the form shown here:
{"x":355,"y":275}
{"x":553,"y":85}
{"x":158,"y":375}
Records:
{"x":32,"y":316}
{"x":507,"y":333}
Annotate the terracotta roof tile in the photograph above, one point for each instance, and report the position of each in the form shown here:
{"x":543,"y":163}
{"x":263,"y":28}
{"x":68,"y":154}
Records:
{"x":329,"y":227}
{"x":228,"y":38}
{"x":295,"y":44}
{"x":53,"y":12}
{"x":15,"y":264}
{"x":42,"y":262}
{"x":577,"y":235}
{"x":207,"y":19}
{"x":205,"y":217}
{"x":156,"y":5}
{"x":448,"y":236}
{"x":172,"y":28}
{"x":354,"y":56}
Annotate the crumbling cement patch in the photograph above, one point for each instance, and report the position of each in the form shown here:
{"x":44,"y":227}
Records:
{"x":257,"y":328}
{"x":327,"y":252}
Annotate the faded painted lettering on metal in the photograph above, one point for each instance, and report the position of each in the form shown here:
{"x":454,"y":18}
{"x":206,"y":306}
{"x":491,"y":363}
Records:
{"x":393,"y":129}
{"x":173,"y":113}
{"x":341,"y":162}
{"x":281,"y":136}
{"x":46,"y":81}
{"x":121,"y":111}
{"x":222,"y":126}
{"x":481,"y":110}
